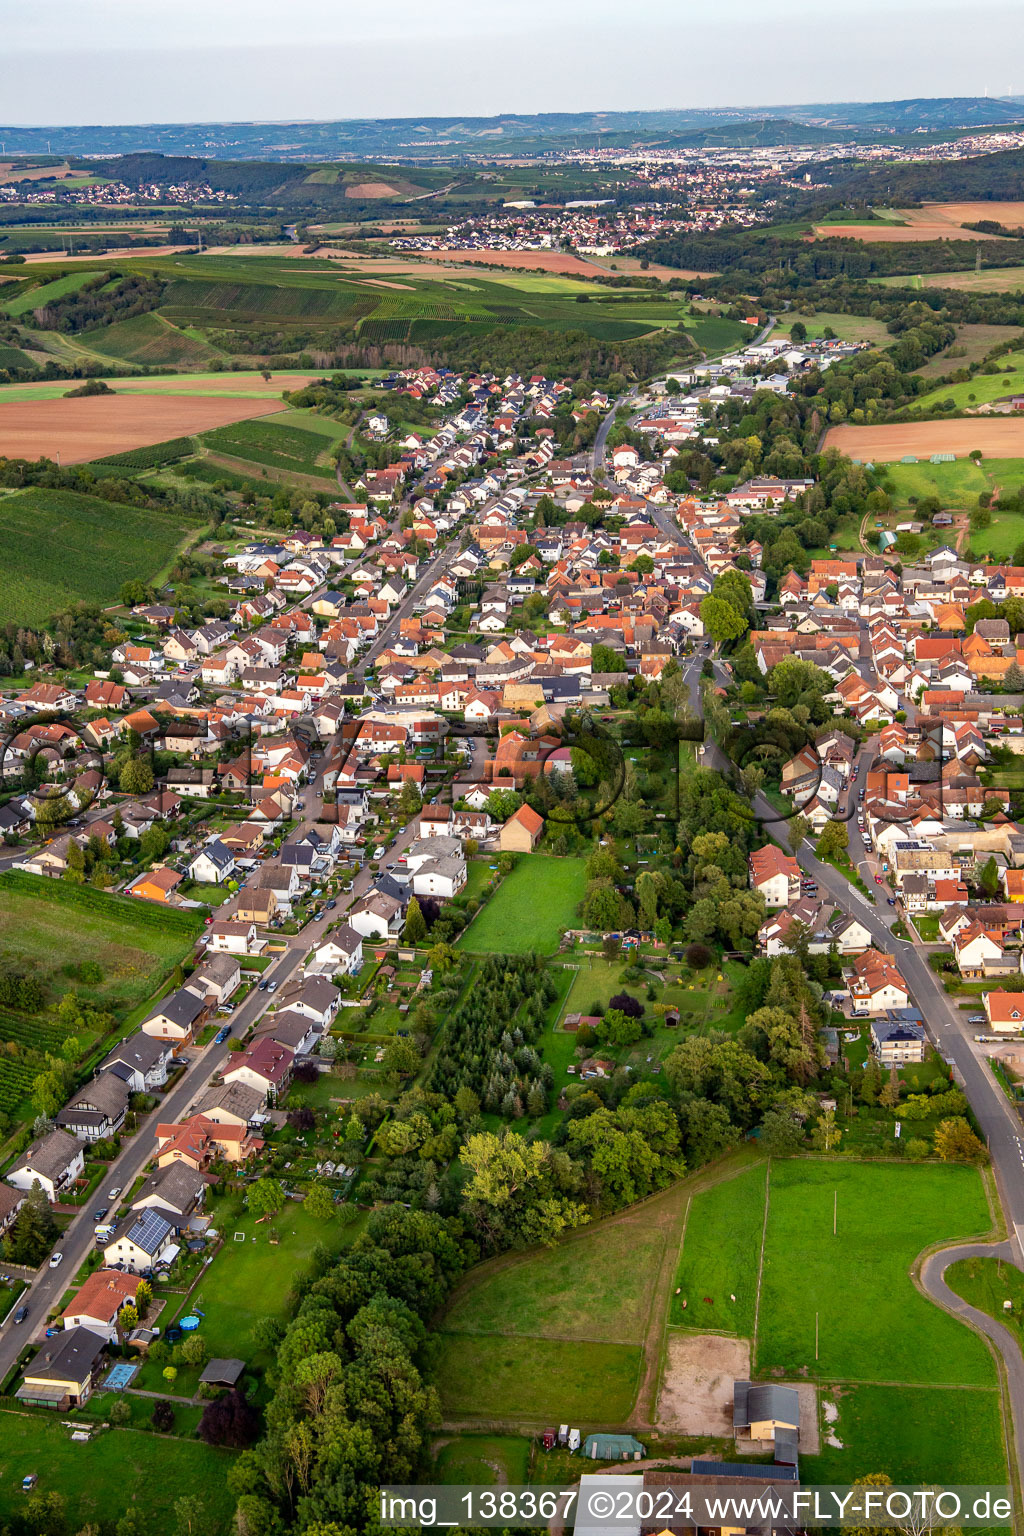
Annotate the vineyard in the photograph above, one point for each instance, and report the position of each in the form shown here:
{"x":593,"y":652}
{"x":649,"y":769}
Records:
{"x":279,"y":447}
{"x":230,"y":303}
{"x":32,"y":1034}
{"x":59,"y":547}
{"x":152,"y":457}
{"x":151,"y":341}
{"x":15,"y":1084}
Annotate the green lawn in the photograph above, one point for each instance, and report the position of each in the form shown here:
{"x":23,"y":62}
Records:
{"x":119,"y":1469}
{"x":253,"y":1279}
{"x":476,"y":1459}
{"x":721,"y":1247}
{"x":873,"y":1324}
{"x":931,"y":1435}
{"x":59,"y":547}
{"x":595,"y":1286}
{"x":538,"y":898}
{"x":847,"y":327}
{"x":986,"y":1284}
{"x":538,"y":1379}
{"x":927,"y":925}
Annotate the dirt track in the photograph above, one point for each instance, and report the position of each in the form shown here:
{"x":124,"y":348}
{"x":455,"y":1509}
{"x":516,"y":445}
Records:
{"x":97,"y":425}
{"x":998,"y":437}
{"x":697,"y":1388}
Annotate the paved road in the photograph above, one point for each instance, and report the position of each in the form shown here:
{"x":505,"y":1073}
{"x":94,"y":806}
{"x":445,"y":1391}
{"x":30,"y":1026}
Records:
{"x":78,"y":1239}
{"x":932,"y":1280}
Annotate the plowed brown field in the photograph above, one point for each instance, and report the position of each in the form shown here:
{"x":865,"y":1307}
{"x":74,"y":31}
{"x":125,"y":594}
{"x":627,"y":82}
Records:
{"x":92,"y":427}
{"x":998,"y":437}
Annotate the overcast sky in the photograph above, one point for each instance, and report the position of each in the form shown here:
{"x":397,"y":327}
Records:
{"x":122,"y":61}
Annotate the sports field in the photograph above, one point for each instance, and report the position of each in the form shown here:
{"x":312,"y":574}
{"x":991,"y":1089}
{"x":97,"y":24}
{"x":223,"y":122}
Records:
{"x":531,"y":904}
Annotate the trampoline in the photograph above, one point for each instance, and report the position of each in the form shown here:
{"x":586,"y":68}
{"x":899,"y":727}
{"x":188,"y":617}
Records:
{"x":120,"y":1376}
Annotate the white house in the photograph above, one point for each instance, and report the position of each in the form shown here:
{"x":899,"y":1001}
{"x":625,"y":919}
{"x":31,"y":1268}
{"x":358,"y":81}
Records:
{"x":55,"y":1162}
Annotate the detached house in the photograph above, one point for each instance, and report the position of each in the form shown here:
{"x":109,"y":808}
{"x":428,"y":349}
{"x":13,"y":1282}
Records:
{"x":54,"y":1162}
{"x":776,"y":875}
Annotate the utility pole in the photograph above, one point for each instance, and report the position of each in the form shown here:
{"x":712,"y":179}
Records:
{"x":815,"y":1335}
{"x":835,"y":1210}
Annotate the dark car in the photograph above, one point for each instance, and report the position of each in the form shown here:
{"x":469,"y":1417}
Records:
{"x":332,"y":904}
{"x":21,"y":1314}
{"x":262,"y":986}
{"x":222,"y":1035}
{"x":99,"y":1215}
{"x":892,"y":901}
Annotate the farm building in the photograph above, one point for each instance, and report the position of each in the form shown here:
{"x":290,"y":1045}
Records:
{"x":764,"y":1411}
{"x":613,"y":1448}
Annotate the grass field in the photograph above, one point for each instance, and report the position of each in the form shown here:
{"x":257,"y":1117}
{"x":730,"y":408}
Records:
{"x":915,"y":1435}
{"x":720,"y":1256}
{"x":596,"y":1287}
{"x":483,"y":1459}
{"x":988,"y":280}
{"x":512,"y":1378}
{"x":986,"y":1284}
{"x":980,"y":389}
{"x":538,"y":898}
{"x":873,"y":1324}
{"x":50,"y":939}
{"x":847,"y":327}
{"x":119,"y":1469}
{"x":35,"y":298}
{"x":972,"y":343}
{"x":58,"y":547}
{"x":958,"y":486}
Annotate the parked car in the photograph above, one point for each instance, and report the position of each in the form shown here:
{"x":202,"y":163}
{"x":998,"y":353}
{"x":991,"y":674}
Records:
{"x":222,"y":1035}
{"x":271,"y":986}
{"x":113,"y":1194}
{"x":99,"y":1215}
{"x":977,"y":1018}
{"x":892,"y":901}
{"x":878,"y":879}
{"x":21,"y":1314}
{"x":263,"y":986}
{"x":56,"y":1259}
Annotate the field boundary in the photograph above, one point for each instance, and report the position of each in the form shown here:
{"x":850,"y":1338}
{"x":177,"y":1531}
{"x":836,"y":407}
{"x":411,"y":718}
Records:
{"x":760,"y":1263}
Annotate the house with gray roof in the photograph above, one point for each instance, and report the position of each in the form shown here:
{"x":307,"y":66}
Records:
{"x":54,"y":1161}
{"x":98,"y":1110}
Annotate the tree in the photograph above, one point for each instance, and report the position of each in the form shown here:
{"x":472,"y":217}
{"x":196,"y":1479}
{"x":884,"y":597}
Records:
{"x":143,"y":1297}
{"x":230,"y":1420}
{"x":120,"y":1413}
{"x":988,"y":879}
{"x":194,"y":1351}
{"x":721,"y":621}
{"x":415,"y":930}
{"x":780,"y":1133}
{"x":797,"y":830}
{"x":189,"y":1516}
{"x":127,"y":1319}
{"x":955,"y":1142}
{"x":320,"y":1202}
{"x":889,"y":1097}
{"x":266,"y":1197}
{"x":798,"y":331}
{"x":170,"y":1374}
{"x":136,"y":777}
{"x":834,"y":840}
{"x":163,"y":1412}
{"x":826,"y":1134}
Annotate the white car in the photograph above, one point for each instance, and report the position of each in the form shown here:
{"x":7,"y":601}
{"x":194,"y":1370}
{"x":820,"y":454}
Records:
{"x":113,"y":1193}
{"x":56,"y":1259}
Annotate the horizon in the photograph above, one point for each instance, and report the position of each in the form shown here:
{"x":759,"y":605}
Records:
{"x":72,"y":66}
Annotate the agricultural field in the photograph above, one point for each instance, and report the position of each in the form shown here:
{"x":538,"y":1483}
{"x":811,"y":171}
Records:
{"x":987,"y":280}
{"x":45,"y":293}
{"x":971,"y":344}
{"x":525,"y":914}
{"x":981,"y":389}
{"x":914,"y":1434}
{"x":999,"y":437}
{"x":148,"y":340}
{"x":719,"y":1260}
{"x":873,"y":1325}
{"x":847,"y":327}
{"x":479,"y":1459}
{"x":93,"y":426}
{"x":49,"y":929}
{"x":277,"y":446}
{"x":563,"y":1333}
{"x":119,"y":1469}
{"x":58,"y":547}
{"x":957,"y":485}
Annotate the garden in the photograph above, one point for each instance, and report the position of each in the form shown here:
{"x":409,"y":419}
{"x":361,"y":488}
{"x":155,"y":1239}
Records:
{"x":530,"y":908}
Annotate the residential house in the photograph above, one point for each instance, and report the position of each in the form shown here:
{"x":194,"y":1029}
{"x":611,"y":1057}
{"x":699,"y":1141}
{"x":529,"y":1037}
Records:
{"x":140,"y":1062}
{"x":522,"y":831}
{"x":265,"y":1066}
{"x":175,"y":1017}
{"x":898,"y":1037}
{"x":97,"y":1304}
{"x":64,"y":1371}
{"x":776,"y":875}
{"x":55,"y":1161}
{"x":140,"y":1243}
